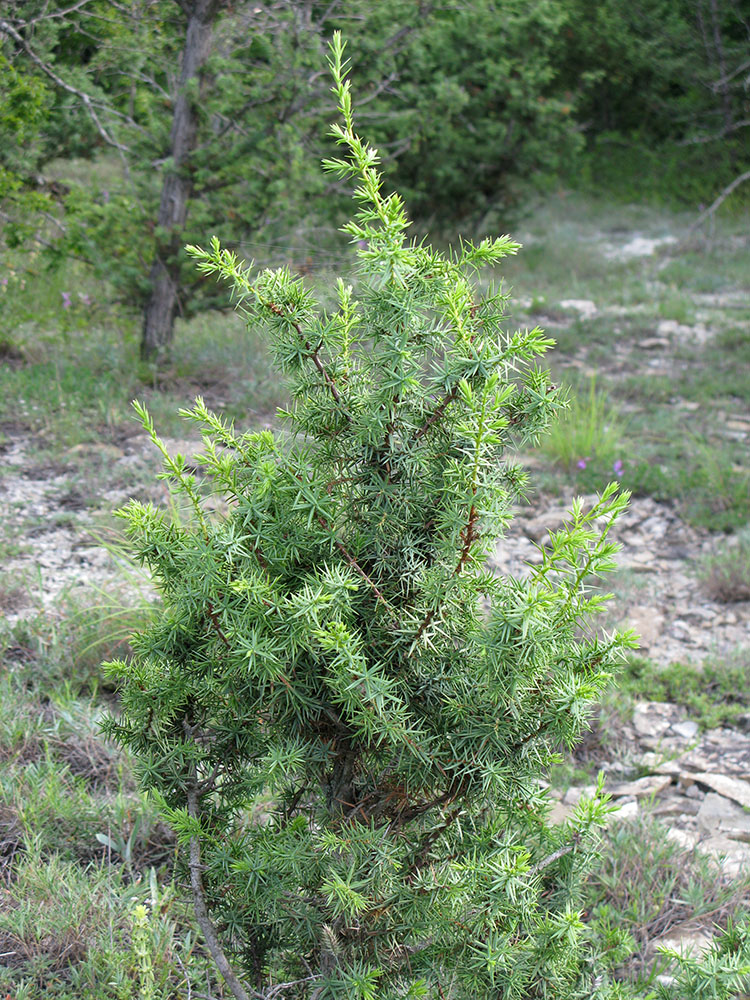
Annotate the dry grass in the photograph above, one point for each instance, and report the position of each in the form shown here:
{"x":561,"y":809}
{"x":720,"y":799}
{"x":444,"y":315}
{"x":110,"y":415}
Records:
{"x":725,"y":573}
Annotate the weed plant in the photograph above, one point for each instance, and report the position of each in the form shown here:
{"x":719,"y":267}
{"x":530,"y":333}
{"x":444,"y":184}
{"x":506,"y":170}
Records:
{"x":587,"y":440}
{"x":647,"y":887}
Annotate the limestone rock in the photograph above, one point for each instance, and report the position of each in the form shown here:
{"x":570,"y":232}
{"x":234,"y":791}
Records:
{"x":575,"y":793}
{"x":627,"y":812}
{"x":730,"y":788}
{"x":560,"y":813}
{"x":732,"y":858}
{"x":688,"y":730}
{"x":585,"y":308}
{"x":652,"y":784}
{"x":683,"y":838}
{"x":652,"y":718}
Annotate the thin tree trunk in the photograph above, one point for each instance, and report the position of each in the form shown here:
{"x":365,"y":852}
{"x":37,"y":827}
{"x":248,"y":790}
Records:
{"x":726,"y":97}
{"x":161,"y":307}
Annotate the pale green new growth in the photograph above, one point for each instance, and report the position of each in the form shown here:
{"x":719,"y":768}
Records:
{"x":345,"y":714}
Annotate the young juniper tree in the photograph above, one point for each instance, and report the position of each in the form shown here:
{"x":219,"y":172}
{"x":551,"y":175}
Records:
{"x":333,"y":653}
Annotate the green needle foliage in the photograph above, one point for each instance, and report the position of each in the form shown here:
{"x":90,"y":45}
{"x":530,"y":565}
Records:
{"x":345,"y":715}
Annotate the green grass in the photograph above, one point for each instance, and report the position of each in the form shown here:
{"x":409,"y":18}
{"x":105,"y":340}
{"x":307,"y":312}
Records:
{"x":588,"y":437}
{"x":647,"y":887}
{"x":80,"y":847}
{"x":661,"y":410}
{"x":73,"y":372}
{"x":714,"y":693}
{"x":73,"y":932}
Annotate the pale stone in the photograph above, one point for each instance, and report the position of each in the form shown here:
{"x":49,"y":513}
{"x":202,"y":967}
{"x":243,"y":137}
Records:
{"x":551,"y":520}
{"x":696,"y":942}
{"x":639,"y":246}
{"x":559,"y":813}
{"x":627,"y":812}
{"x":683,"y":838}
{"x":574,"y":794}
{"x":733,"y":859}
{"x":687,"y":730}
{"x":652,"y":784}
{"x":671,"y":328}
{"x":730,"y":788}
{"x":666,"y":980}
{"x":655,"y":762}
{"x":713,"y":810}
{"x":652,"y":343}
{"x":675,"y":805}
{"x":585,"y":307}
{"x":648,"y":718}
{"x":647,"y":622}
{"x":718,"y":813}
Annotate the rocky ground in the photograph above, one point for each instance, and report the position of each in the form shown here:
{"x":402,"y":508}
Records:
{"x":697,"y":783}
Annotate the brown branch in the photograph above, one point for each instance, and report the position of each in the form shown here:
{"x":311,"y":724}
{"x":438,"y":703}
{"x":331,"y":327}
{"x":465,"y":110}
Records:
{"x":528,"y":738}
{"x":201,"y":909}
{"x":261,"y":558}
{"x":422,"y":807}
{"x":468,"y":536}
{"x":215,"y":621}
{"x":429,"y":839}
{"x":437,"y":413}
{"x":425,"y":622}
{"x":356,"y":567}
{"x":295,"y":801}
{"x":551,"y":858}
{"x":313,"y":354}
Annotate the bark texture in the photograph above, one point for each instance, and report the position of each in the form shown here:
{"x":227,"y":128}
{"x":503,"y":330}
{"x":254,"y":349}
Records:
{"x":162,"y":304}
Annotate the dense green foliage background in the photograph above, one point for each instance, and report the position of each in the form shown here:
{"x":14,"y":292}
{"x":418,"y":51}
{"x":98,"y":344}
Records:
{"x":470,"y":103}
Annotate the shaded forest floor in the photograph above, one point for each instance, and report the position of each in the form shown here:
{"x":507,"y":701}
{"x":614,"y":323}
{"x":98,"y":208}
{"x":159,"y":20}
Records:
{"x":653,"y":331}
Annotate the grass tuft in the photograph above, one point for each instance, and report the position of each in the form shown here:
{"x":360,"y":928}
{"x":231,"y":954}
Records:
{"x":725,"y":573}
{"x":649,"y":887}
{"x":586,"y":441}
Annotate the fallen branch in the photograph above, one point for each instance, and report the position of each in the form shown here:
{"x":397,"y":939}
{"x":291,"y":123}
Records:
{"x":720,"y":200}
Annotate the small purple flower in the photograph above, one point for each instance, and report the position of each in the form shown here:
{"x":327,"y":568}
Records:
{"x":84,"y":298}
{"x":66,"y":303}
{"x":362,"y":244}
{"x":3,"y":282}
{"x":582,"y":462}
{"x":617,"y":468}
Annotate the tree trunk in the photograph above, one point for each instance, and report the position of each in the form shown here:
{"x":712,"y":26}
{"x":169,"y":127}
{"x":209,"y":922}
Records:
{"x":726,"y":97}
{"x":162,"y":303}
